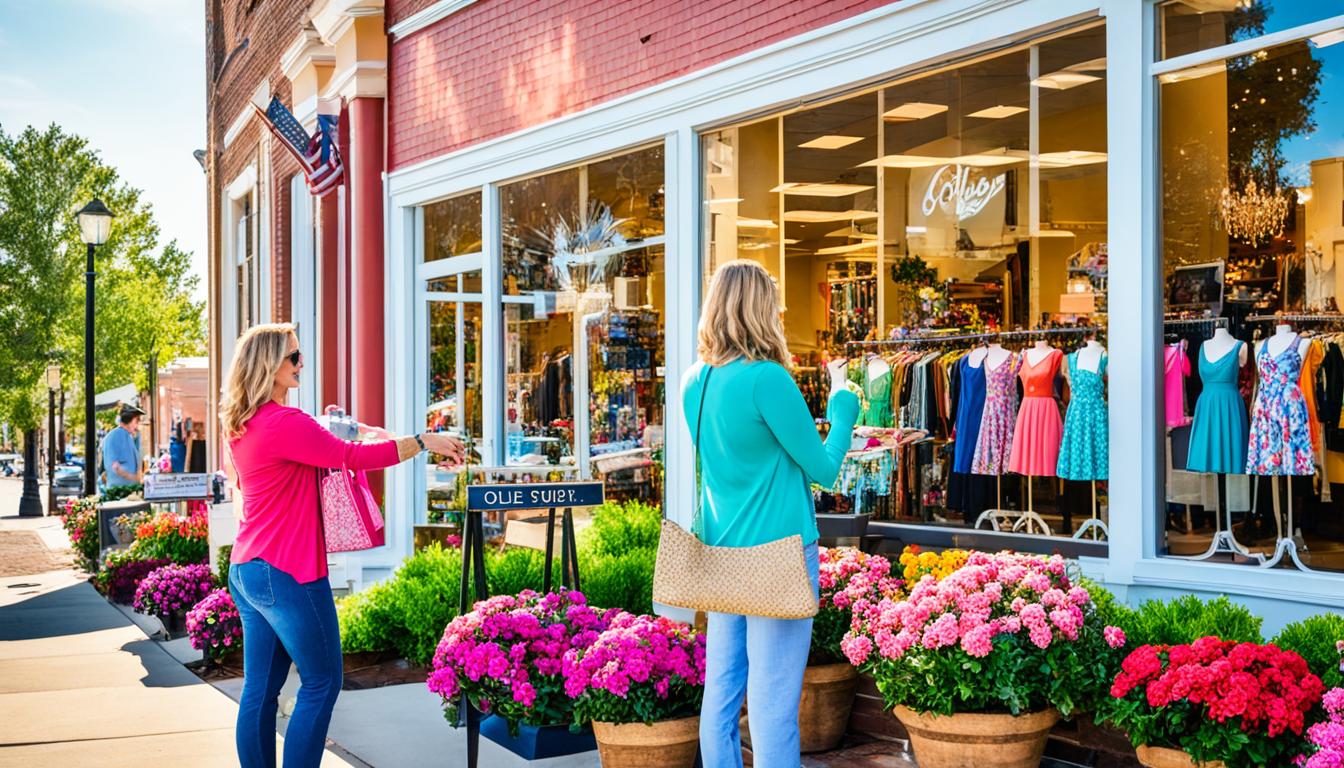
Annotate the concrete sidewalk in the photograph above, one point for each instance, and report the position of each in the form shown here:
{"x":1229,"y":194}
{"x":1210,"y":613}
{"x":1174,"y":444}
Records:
{"x":81,"y":685}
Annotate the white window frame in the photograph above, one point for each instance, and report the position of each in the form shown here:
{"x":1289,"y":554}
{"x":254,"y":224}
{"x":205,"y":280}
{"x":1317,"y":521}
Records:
{"x":303,"y":286}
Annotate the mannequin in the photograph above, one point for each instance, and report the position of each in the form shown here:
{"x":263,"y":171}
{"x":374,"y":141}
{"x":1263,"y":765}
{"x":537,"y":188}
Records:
{"x":1221,"y":344}
{"x":995,"y":356}
{"x":1089,"y":357}
{"x":838,"y":369}
{"x":976,"y":357}
{"x":1284,"y":336}
{"x":877,"y":367}
{"x":1039,"y":352}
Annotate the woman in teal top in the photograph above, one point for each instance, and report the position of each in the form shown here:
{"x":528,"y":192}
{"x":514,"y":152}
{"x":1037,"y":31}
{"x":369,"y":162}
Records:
{"x":758,"y":452}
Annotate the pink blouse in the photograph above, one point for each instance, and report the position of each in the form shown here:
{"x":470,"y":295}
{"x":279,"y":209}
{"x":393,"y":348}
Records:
{"x":1177,"y":368}
{"x":276,"y":459}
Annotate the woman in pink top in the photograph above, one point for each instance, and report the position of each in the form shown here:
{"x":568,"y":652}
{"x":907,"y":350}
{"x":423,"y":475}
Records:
{"x":278,"y":571}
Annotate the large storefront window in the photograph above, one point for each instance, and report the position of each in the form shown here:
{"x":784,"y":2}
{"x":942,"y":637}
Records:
{"x":583,"y":321}
{"x":947,"y":235}
{"x":1252,"y":173}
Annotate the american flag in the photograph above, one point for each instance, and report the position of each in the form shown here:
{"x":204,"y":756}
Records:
{"x":317,"y":154}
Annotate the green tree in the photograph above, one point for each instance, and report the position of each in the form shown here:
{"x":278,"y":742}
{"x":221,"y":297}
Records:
{"x":143,"y":292}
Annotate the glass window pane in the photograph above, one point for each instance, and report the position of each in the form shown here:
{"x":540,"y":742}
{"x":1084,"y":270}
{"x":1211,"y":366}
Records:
{"x":1252,"y":225}
{"x":453,"y":227}
{"x":1186,"y":26}
{"x":530,"y":210}
{"x":631,"y":185}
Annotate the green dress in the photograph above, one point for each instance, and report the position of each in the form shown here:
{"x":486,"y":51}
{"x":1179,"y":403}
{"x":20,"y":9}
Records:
{"x":1084,"y":448}
{"x":878,"y":394}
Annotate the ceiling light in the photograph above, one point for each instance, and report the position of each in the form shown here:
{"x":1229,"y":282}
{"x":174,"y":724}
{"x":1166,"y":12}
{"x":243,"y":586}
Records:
{"x":989,"y":159}
{"x":852,"y":232}
{"x":908,"y":161}
{"x":1091,"y":65}
{"x":1063,"y":80}
{"x":1069,"y":158}
{"x":916,"y":230}
{"x":914,"y":110}
{"x":816,"y":217}
{"x":724,"y":200}
{"x":1192,"y":73}
{"x":830,"y":141}
{"x":820,"y":190}
{"x":1328,"y":39}
{"x":755,"y":246}
{"x":995,"y":113}
{"x":744,"y":222}
{"x":851,"y":248}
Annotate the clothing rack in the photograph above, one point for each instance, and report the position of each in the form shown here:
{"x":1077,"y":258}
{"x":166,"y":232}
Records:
{"x":938,"y":338}
{"x":1218,"y":322}
{"x":1335,"y":317}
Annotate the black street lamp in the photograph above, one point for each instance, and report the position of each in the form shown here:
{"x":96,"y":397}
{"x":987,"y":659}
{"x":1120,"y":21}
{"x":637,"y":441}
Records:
{"x":53,"y":384}
{"x":95,"y":222}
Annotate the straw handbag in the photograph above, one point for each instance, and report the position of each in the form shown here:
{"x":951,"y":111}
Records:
{"x":768,"y":580}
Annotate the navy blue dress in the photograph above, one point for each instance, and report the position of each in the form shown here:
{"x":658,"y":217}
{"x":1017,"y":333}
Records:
{"x":970,"y":409}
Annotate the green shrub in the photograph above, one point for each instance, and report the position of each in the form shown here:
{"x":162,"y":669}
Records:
{"x":367,"y":621}
{"x":518,"y":568}
{"x":1185,"y":619}
{"x":1314,"y":639}
{"x":619,"y":581}
{"x":222,"y":564}
{"x":618,"y":528}
{"x":1110,"y":611}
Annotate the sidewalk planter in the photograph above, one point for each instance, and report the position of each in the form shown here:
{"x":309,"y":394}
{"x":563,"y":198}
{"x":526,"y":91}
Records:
{"x":978,"y":740}
{"x":823,"y":712}
{"x":1162,"y":757}
{"x":538,"y":742}
{"x":174,"y":624}
{"x":664,"y":744}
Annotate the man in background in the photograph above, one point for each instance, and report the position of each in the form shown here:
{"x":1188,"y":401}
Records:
{"x":121,"y":449}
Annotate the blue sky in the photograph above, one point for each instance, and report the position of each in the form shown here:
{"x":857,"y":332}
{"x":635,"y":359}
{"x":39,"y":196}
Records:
{"x":129,"y":76}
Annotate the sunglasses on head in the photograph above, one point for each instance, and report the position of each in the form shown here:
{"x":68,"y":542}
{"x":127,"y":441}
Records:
{"x":294,"y":357}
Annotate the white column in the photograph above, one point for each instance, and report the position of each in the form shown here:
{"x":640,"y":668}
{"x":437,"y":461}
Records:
{"x":1136,"y":478}
{"x":492,"y":330}
{"x":683,"y":265}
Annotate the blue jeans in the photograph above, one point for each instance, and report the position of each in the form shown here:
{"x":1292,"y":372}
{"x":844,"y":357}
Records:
{"x":285,"y":621}
{"x":764,"y":659}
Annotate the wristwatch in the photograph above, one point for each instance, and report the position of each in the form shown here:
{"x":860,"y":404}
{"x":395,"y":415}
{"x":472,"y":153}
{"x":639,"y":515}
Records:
{"x":421,"y":443}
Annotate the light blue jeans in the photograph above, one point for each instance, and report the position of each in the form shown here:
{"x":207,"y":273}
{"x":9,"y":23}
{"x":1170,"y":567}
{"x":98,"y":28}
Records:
{"x":764,"y":659}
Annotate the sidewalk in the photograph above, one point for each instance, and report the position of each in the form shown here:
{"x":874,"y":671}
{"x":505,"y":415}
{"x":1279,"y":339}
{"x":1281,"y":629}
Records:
{"x":81,"y":685}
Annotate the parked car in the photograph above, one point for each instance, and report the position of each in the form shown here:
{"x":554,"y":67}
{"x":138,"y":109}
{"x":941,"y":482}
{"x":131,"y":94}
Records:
{"x":10,"y":464}
{"x":69,"y":480}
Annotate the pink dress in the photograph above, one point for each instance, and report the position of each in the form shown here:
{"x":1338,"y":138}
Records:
{"x":1039,"y":427}
{"x":996,"y":426}
{"x":1177,"y":368}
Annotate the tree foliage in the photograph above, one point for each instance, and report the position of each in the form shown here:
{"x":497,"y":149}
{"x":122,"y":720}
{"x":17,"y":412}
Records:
{"x":142,"y":294}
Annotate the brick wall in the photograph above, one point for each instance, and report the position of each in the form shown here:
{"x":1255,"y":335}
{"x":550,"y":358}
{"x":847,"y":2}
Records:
{"x":499,"y":66}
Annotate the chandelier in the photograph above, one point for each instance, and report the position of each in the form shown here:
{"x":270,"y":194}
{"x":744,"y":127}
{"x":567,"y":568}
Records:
{"x":1252,"y":214}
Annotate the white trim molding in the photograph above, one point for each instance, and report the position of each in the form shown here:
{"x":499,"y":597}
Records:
{"x":306,"y":49}
{"x":363,"y":78}
{"x":427,"y":18}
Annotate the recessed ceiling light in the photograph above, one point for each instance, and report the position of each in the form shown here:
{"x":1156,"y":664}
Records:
{"x":816,"y":217}
{"x":916,"y":230}
{"x":991,"y":158}
{"x":995,"y":113}
{"x":1069,"y":158}
{"x":747,"y":223}
{"x":1063,"y":80}
{"x":914,"y":110}
{"x":1327,"y":39}
{"x":908,"y":161}
{"x":853,"y":247}
{"x":1091,"y":65}
{"x":830,"y":141}
{"x":821,"y":189}
{"x":724,"y":200}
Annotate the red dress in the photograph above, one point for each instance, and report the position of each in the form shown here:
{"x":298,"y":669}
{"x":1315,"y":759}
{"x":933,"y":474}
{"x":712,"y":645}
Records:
{"x":1039,"y":427}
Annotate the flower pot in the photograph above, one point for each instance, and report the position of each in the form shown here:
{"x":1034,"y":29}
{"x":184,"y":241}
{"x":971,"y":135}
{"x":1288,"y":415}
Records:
{"x":823,"y":711}
{"x":174,"y":624}
{"x":538,"y":742}
{"x":665,"y":744}
{"x":978,"y":740}
{"x":1165,"y":757}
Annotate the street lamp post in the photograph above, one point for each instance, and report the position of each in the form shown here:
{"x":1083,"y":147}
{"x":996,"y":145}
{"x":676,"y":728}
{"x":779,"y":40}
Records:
{"x":53,"y":384}
{"x":95,"y":222}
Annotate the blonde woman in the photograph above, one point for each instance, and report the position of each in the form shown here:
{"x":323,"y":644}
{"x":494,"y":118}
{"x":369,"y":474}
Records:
{"x":278,"y":571}
{"x":758,"y":449}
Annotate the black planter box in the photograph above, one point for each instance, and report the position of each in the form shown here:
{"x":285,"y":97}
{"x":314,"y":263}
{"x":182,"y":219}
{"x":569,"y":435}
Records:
{"x":538,"y":742}
{"x":846,"y":526}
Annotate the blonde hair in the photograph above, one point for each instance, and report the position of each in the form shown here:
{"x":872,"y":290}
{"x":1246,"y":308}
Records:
{"x":251,"y":381}
{"x":741,"y":316}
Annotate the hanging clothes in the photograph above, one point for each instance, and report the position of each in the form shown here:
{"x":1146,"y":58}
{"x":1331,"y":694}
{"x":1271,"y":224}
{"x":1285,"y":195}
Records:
{"x":1280,"y":437}
{"x":995,"y":441}
{"x":877,"y":393}
{"x":1177,"y":368}
{"x":1311,"y":364}
{"x":970,"y":413}
{"x":1084,"y":448}
{"x":1036,"y":437}
{"x":1218,"y":435}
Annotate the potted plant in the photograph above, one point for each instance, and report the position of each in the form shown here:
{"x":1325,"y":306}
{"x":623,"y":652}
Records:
{"x":980,"y":665}
{"x":640,"y":685}
{"x":122,"y":572}
{"x":80,"y":520}
{"x":1213,"y":702}
{"x":214,"y":626}
{"x":168,"y":591}
{"x":1325,"y":740}
{"x":507,"y":657}
{"x":180,"y":538}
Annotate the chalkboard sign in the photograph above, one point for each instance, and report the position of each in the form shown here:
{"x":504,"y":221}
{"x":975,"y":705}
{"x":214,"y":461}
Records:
{"x":482,"y":498}
{"x":176,"y":486}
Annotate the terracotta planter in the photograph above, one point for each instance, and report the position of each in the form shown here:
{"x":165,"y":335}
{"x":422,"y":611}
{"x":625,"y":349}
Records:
{"x":978,"y":740}
{"x":1164,"y":757}
{"x":665,"y":744}
{"x":823,"y":711}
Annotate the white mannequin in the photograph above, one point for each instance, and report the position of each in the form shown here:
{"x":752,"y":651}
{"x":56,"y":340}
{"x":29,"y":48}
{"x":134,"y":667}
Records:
{"x":1284,"y":336}
{"x":837,"y":368}
{"x":1039,"y":352}
{"x":996,"y":355}
{"x":976,"y":357}
{"x":877,"y":367}
{"x":1220,"y":345}
{"x":1089,"y":357}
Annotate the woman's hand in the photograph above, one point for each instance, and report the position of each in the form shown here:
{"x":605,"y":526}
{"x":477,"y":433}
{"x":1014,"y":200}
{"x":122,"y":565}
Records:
{"x":838,"y":370}
{"x":445,"y":445}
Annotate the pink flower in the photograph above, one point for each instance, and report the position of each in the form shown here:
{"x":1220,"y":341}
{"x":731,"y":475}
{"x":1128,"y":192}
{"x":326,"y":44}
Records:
{"x":1115,"y":636}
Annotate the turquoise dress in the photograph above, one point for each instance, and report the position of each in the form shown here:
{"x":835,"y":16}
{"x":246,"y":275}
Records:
{"x":1218,"y":435}
{"x":1084,"y":449}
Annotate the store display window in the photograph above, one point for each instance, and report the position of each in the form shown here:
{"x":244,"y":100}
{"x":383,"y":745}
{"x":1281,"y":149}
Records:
{"x":1252,"y":195}
{"x":583,"y":306}
{"x":946,"y":234}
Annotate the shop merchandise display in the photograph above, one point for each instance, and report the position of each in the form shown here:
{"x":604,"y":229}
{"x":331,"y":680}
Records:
{"x":1038,"y":431}
{"x":1084,"y":450}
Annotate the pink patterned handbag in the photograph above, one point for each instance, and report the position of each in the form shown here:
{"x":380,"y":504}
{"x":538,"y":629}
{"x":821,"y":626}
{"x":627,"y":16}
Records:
{"x":351,"y":520}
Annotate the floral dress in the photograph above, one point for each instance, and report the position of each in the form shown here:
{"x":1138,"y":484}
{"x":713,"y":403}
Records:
{"x":1084,"y":450}
{"x":995,"y":441}
{"x":1280,"y":435}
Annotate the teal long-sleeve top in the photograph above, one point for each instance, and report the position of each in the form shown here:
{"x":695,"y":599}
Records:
{"x":759,"y":448}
